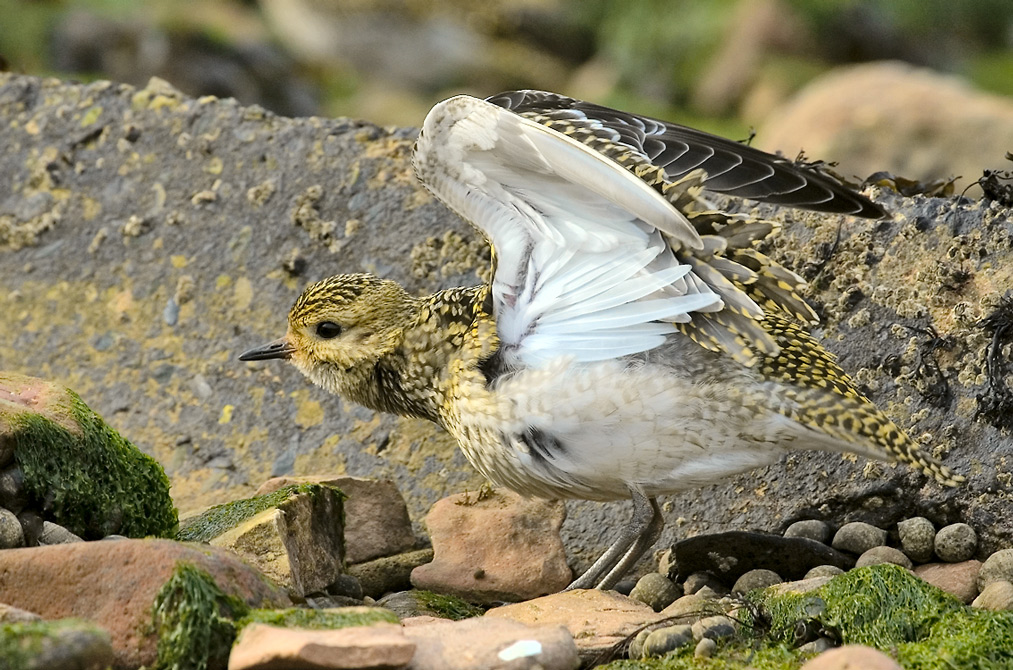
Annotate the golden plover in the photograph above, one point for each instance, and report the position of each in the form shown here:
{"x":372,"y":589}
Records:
{"x":633,"y":341}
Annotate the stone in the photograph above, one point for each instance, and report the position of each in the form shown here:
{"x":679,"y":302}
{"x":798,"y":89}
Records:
{"x":660,"y":641}
{"x":858,"y":537}
{"x":597,"y":620}
{"x":713,"y":627}
{"x":956,"y":543}
{"x":811,"y":529}
{"x":806,"y":585}
{"x":705,"y":648}
{"x":263,"y":647}
{"x":917,"y":538}
{"x":493,"y":548}
{"x":376,"y":517}
{"x":53,"y":533}
{"x":823,"y":571}
{"x":882,"y":554}
{"x":656,"y":590}
{"x":293,"y":535}
{"x":756,"y":579}
{"x":817,"y":646}
{"x":852,"y":657}
{"x":13,"y":496}
{"x":996,"y":596}
{"x":115,"y":584}
{"x":997,"y":567}
{"x":12,"y":535}
{"x":493,"y":644}
{"x":731,"y":554}
{"x":415,"y":603}
{"x":957,"y":579}
{"x":701,"y":580}
{"x":900,"y":118}
{"x":346,"y":586}
{"x":688,"y":609}
{"x":10,"y":614}
{"x":390,"y":573}
{"x":76,"y":467}
{"x":56,"y":645}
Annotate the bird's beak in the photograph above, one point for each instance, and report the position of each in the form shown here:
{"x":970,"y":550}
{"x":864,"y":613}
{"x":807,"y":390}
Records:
{"x":278,"y":349}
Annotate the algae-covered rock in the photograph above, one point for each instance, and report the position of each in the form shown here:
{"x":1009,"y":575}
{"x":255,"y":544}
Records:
{"x":335,"y":617}
{"x":295,"y":535}
{"x":43,"y":645}
{"x":77,"y":471}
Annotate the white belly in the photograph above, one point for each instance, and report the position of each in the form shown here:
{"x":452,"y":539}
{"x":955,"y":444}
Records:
{"x":592,"y":430}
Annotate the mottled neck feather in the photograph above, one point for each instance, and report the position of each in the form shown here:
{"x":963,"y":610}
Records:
{"x":414,"y":379}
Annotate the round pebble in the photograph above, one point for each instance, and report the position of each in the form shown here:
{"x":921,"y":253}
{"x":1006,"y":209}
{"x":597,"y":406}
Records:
{"x":956,"y":542}
{"x":656,"y":590}
{"x":997,"y":567}
{"x":347,"y":586}
{"x":917,"y":538}
{"x":12,"y":535}
{"x":878,"y":555}
{"x":858,"y":537}
{"x":698,"y":580}
{"x":705,"y":648}
{"x":56,"y":534}
{"x":811,"y":529}
{"x":713,"y":627}
{"x":664,"y":640}
{"x":636,"y":649}
{"x":852,"y":657}
{"x":689,"y":607}
{"x":824,"y":571}
{"x":997,"y":596}
{"x":817,"y":646}
{"x":756,"y":579}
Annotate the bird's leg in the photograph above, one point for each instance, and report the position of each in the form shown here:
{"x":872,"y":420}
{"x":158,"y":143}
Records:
{"x":630,"y":546}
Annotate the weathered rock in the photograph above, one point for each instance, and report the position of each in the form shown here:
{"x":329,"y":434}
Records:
{"x":12,"y":535}
{"x":376,"y":517}
{"x":823,"y":571}
{"x":858,"y":537}
{"x":263,"y":647}
{"x":614,"y":617}
{"x":705,"y":648}
{"x":917,"y":538}
{"x":13,"y":495}
{"x":958,"y":579}
{"x":496,"y":644}
{"x":55,"y":645}
{"x":294,"y":535}
{"x":852,"y":657}
{"x":701,"y":580}
{"x":416,"y":603}
{"x":996,"y":596}
{"x":756,"y":579}
{"x":997,"y":567}
{"x":494,"y":547}
{"x":803,"y":585}
{"x":817,"y":646}
{"x":660,"y":641}
{"x":811,"y":529}
{"x":956,"y":543}
{"x":53,"y":533}
{"x":730,"y":555}
{"x":10,"y":614}
{"x":115,"y":584}
{"x":390,"y":573}
{"x":656,"y":591}
{"x":882,"y":554}
{"x":713,"y":627}
{"x":688,"y":609}
{"x":85,"y":476}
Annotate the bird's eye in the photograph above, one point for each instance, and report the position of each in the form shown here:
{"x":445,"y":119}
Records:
{"x":328,"y":330}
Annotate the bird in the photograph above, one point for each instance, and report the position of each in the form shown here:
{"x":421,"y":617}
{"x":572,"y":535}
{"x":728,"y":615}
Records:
{"x":633,"y":342}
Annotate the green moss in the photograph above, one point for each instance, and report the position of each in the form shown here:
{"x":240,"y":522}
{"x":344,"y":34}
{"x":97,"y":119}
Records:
{"x":447,"y":607}
{"x":216,"y":520}
{"x":34,"y":645}
{"x":195,"y":621}
{"x":94,"y":484}
{"x":341,"y":617}
{"x":738,"y":654}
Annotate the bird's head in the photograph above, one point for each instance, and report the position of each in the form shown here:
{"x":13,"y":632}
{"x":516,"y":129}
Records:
{"x":339,"y":327}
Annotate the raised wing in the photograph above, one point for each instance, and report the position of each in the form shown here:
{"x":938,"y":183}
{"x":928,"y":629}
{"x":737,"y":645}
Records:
{"x":730,"y":167}
{"x":599,"y":252}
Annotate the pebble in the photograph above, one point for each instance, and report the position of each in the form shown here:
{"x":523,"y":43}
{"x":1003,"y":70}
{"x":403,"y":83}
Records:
{"x":55,"y":534}
{"x":878,"y":555}
{"x":858,"y":537}
{"x":698,"y":580}
{"x":705,"y":648}
{"x":12,"y":488}
{"x":663,"y":640}
{"x":997,"y":567}
{"x":12,"y":535}
{"x":713,"y":627}
{"x":957,"y":579}
{"x":997,"y":596}
{"x":956,"y":543}
{"x":756,"y":579}
{"x":824,"y":571}
{"x":852,"y":657}
{"x":656,"y":590}
{"x":811,"y":529}
{"x":817,"y":646}
{"x":917,"y":538}
{"x":689,"y":608}
{"x":346,"y":585}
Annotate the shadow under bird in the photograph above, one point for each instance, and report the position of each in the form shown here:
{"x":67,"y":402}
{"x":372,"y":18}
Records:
{"x":633,"y":341}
